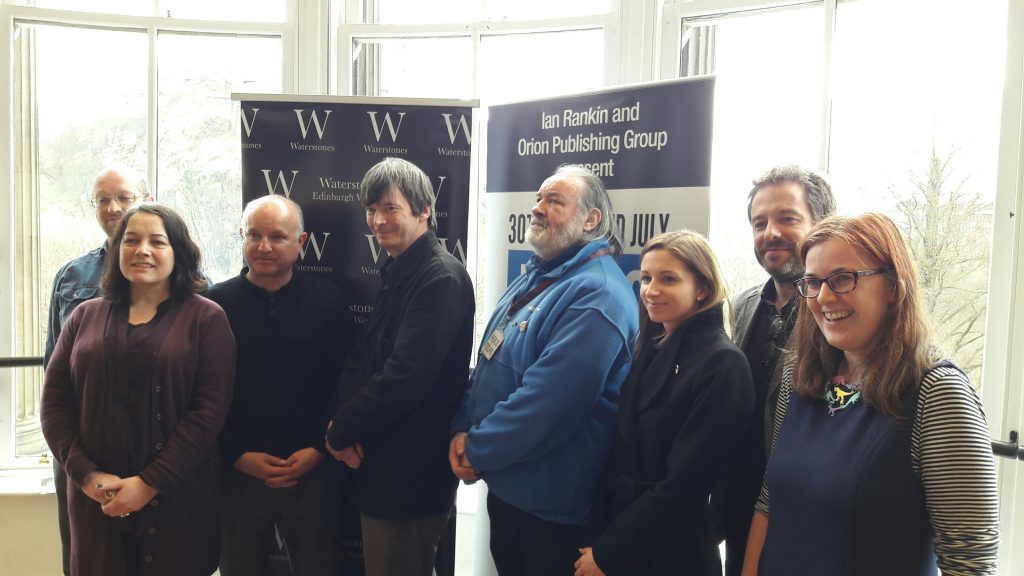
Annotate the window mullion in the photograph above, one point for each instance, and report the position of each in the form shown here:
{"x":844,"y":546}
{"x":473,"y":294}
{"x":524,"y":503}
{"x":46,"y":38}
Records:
{"x":826,"y":89}
{"x":152,"y":120}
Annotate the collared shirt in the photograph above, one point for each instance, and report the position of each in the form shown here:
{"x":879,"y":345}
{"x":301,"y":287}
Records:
{"x":769,"y":332}
{"x":76,"y":282}
{"x":291,"y":344}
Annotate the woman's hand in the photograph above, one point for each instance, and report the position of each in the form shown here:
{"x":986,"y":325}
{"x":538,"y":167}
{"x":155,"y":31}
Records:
{"x":586,"y":566}
{"x":95,"y":486}
{"x":131,"y":494}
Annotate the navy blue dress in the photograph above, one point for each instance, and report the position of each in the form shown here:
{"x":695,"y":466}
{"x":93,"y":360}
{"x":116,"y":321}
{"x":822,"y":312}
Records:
{"x":844,"y":488}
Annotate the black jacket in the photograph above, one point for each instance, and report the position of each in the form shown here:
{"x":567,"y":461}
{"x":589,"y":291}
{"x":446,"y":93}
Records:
{"x":408,"y":377}
{"x":682,"y":412}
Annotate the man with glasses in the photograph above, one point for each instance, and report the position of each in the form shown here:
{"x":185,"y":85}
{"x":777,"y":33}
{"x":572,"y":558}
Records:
{"x":782,"y":207}
{"x":114,"y":189}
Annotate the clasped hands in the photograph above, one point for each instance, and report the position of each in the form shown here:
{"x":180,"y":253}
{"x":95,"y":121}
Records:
{"x":117,"y":497}
{"x":277,"y":472}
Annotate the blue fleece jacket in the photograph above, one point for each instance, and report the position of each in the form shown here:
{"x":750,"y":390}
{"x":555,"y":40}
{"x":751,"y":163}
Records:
{"x":540,"y":413}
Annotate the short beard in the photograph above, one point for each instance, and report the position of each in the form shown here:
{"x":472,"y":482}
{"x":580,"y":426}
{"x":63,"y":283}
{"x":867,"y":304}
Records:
{"x":549,"y":242}
{"x":790,"y":272}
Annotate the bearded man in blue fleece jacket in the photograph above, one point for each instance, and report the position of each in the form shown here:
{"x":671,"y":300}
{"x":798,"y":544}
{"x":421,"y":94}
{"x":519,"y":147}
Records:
{"x":538,"y":417}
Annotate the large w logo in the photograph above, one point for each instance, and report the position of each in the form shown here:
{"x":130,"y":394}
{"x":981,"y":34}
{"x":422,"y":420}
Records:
{"x":248,"y":122}
{"x":437,"y":193}
{"x":286,"y":185}
{"x":375,"y":249}
{"x":462,"y":125}
{"x":318,"y":247}
{"x":314,"y":120}
{"x":378,"y":127}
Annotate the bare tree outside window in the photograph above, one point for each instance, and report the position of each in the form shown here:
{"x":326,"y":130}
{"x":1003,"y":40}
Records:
{"x":949,"y":229}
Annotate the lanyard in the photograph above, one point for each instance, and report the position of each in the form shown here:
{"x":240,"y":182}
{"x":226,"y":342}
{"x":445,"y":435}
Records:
{"x":525,"y":299}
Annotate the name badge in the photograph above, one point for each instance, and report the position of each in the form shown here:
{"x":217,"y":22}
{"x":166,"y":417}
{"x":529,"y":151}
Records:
{"x":493,"y":342}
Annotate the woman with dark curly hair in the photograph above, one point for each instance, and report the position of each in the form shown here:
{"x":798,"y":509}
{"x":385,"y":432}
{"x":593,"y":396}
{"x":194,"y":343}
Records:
{"x":136,"y":392}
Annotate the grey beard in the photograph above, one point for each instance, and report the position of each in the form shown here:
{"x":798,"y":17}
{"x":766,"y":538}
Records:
{"x":554,"y":242}
{"x":791,"y":272}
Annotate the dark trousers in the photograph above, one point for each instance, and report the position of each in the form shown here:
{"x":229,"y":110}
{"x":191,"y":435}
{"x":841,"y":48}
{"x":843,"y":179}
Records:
{"x":525,"y":545}
{"x":251,"y":510}
{"x":733,"y":505}
{"x":60,"y":486}
{"x":401,"y":547}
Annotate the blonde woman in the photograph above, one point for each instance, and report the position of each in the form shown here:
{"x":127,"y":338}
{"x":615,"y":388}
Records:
{"x":683,"y":407}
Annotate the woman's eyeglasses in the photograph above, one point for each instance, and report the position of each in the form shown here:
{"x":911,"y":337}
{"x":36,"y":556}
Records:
{"x":839,"y":282}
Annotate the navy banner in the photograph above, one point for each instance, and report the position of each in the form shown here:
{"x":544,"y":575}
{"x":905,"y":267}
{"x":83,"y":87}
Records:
{"x":315,"y":151}
{"x":649,"y":143}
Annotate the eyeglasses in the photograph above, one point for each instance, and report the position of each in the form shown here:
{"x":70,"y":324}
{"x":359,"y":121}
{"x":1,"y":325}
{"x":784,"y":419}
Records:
{"x":839,"y":282}
{"x":126,"y":199}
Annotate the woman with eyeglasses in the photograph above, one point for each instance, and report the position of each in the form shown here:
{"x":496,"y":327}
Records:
{"x":682,"y":411}
{"x":136,"y":392}
{"x":881,"y":462}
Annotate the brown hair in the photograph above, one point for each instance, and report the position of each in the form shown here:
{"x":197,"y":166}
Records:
{"x":903,"y":352}
{"x":695,"y":253}
{"x":186,"y":277}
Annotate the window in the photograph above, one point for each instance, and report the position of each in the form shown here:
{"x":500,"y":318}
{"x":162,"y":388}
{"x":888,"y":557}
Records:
{"x":872,"y":102}
{"x":914,"y":139}
{"x":768,"y":92}
{"x":99,"y":90}
{"x":491,"y":50}
{"x":912,"y":109}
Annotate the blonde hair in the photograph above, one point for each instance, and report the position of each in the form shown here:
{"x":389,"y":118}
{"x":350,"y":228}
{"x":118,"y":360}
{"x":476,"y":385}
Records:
{"x":695,"y":253}
{"x":904,"y":352}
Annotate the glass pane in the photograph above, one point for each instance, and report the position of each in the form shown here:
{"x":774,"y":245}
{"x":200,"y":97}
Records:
{"x":522,"y":66}
{"x":238,"y":10}
{"x":915,"y":134}
{"x":72,"y":116}
{"x":418,"y":11}
{"x":199,"y":162}
{"x":129,"y":7}
{"x":413,"y":67}
{"x":769,"y":73}
{"x":499,"y":10}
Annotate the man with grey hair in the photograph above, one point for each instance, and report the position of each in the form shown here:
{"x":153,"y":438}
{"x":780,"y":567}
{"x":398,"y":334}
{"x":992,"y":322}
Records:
{"x":114,"y":189}
{"x":539,"y":414}
{"x":391,"y":423}
{"x":289,"y":328}
{"x":783,"y":205}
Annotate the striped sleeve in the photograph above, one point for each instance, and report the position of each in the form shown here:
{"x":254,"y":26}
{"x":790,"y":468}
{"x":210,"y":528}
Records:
{"x":780,"y":414}
{"x":951,"y":452}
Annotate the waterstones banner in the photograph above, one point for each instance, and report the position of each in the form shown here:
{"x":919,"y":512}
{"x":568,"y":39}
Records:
{"x":649,"y":143}
{"x":316,"y":149}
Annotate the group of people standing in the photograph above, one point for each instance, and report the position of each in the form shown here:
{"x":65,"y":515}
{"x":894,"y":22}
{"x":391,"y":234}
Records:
{"x":828,"y":435}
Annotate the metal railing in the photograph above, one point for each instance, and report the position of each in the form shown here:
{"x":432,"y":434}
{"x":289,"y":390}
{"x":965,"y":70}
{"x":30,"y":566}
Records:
{"x":1011,"y":449}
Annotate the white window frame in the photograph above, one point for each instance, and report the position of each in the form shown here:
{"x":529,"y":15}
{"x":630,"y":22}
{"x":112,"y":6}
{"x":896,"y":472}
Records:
{"x":1003,"y":381}
{"x":350,"y":28}
{"x":303,"y":23}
